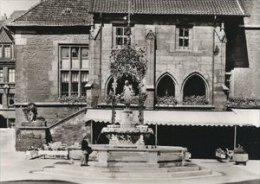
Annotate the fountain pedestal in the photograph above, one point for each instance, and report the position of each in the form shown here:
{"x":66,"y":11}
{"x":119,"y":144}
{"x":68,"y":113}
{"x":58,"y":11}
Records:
{"x":128,"y":133}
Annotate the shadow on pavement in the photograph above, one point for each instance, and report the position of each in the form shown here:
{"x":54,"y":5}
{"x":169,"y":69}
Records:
{"x":246,"y":182}
{"x":38,"y":182}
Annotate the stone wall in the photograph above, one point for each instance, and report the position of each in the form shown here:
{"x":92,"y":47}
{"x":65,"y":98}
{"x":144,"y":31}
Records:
{"x":177,"y":63}
{"x":27,"y":137}
{"x":52,"y":114}
{"x":37,"y":64}
{"x":71,"y":131}
{"x":246,"y":79}
{"x":37,"y":69}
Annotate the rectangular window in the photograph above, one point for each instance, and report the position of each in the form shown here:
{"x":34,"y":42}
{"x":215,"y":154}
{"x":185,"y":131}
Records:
{"x":11,"y":75}
{"x":10,"y":100}
{"x":84,"y":81}
{"x":1,"y":75}
{"x":121,"y":35}
{"x":183,"y":40}
{"x":1,"y":99}
{"x":1,"y":51}
{"x":74,"y":64}
{"x":7,"y":51}
{"x":65,"y":83}
{"x":85,"y":58}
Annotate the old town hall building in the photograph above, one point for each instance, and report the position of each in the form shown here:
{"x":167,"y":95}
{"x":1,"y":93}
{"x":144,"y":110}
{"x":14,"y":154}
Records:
{"x":202,"y":67}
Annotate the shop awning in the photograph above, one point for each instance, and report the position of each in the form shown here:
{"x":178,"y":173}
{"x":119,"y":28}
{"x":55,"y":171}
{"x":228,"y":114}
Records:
{"x":236,"y":117}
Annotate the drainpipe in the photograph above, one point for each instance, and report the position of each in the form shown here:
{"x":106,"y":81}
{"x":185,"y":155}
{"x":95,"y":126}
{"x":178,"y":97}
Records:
{"x":213,"y":59}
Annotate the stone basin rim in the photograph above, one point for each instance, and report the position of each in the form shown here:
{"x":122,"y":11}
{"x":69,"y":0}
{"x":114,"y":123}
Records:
{"x":139,"y":149}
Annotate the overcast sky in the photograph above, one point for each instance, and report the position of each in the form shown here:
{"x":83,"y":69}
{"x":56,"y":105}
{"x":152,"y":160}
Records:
{"x":8,"y":6}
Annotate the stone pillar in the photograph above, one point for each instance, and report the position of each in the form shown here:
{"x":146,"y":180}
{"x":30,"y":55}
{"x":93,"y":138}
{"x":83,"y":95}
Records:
{"x":94,"y":67}
{"x":5,"y":96}
{"x":102,"y":158}
{"x":149,"y":78}
{"x":89,"y":93}
{"x":219,"y":54}
{"x":152,"y":157}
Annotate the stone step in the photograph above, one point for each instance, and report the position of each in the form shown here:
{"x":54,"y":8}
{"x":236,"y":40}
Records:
{"x":97,"y":173}
{"x":115,"y":166}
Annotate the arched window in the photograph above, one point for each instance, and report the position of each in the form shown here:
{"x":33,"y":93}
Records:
{"x":194,"y":86}
{"x":120,"y":85}
{"x":165,"y":87}
{"x":195,"y":91}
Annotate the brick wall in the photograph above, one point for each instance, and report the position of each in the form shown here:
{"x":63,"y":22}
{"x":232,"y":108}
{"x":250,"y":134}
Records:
{"x":37,"y":55}
{"x":72,"y":130}
{"x":37,"y":65}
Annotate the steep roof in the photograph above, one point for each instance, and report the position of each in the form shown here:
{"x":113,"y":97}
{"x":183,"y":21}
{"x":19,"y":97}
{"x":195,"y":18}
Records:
{"x":180,"y":7}
{"x":4,"y":36}
{"x":56,"y":13}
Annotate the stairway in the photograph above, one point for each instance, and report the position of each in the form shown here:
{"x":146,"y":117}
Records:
{"x":126,"y":171}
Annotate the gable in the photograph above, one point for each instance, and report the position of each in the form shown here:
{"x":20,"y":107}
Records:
{"x":4,"y":37}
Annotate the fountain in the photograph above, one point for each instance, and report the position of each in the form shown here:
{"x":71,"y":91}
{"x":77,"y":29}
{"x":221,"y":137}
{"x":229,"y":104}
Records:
{"x":127,"y":141}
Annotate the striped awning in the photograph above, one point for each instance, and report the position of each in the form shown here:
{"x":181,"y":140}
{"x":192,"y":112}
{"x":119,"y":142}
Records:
{"x":236,"y":117}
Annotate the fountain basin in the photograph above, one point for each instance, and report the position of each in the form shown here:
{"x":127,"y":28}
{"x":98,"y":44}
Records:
{"x":127,"y":137}
{"x":108,"y":155}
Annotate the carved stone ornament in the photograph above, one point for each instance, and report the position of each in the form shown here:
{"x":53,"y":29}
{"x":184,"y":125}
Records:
{"x":150,"y":35}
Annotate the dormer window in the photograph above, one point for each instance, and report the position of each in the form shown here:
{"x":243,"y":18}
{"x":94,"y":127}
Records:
{"x":5,"y":51}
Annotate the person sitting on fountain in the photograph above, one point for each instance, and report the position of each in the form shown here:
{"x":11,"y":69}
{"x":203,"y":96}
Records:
{"x":127,"y":94}
{"x":86,"y":151}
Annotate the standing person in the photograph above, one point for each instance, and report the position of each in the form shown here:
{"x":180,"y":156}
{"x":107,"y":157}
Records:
{"x":86,"y":151}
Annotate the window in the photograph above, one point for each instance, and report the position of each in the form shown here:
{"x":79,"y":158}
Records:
{"x":10,"y":100}
{"x":1,"y":99}
{"x":74,"y":64}
{"x":183,"y":40}
{"x":121,"y":35}
{"x":7,"y":51}
{"x":1,"y":75}
{"x":1,"y":51}
{"x":11,"y":75}
{"x":165,"y":87}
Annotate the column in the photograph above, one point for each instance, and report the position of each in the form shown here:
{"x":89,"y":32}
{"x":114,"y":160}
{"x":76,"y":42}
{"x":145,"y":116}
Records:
{"x":149,"y":79}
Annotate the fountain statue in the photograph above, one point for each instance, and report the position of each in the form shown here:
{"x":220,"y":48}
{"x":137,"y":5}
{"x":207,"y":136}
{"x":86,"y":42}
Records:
{"x":129,"y":133}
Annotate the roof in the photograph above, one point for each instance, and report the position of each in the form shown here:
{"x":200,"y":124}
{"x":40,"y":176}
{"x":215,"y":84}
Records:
{"x":4,"y":37}
{"x":185,"y":118}
{"x":16,"y":14}
{"x":180,"y":7}
{"x":56,"y":13}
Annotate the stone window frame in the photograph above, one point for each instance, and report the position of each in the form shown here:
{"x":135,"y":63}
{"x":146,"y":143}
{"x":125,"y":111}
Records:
{"x":124,"y":37}
{"x":3,"y":51}
{"x":188,"y":37}
{"x":81,"y":71}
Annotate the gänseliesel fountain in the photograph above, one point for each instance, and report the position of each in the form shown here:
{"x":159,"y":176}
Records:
{"x":128,"y":139}
{"x":128,"y":133}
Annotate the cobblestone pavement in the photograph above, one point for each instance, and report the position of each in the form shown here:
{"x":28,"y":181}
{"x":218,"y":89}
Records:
{"x":14,"y":167}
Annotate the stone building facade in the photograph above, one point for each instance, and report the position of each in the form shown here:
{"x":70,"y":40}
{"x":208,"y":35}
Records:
{"x":63,"y":60}
{"x":7,"y":77}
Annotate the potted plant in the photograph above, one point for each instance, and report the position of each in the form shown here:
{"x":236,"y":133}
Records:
{"x":240,"y":155}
